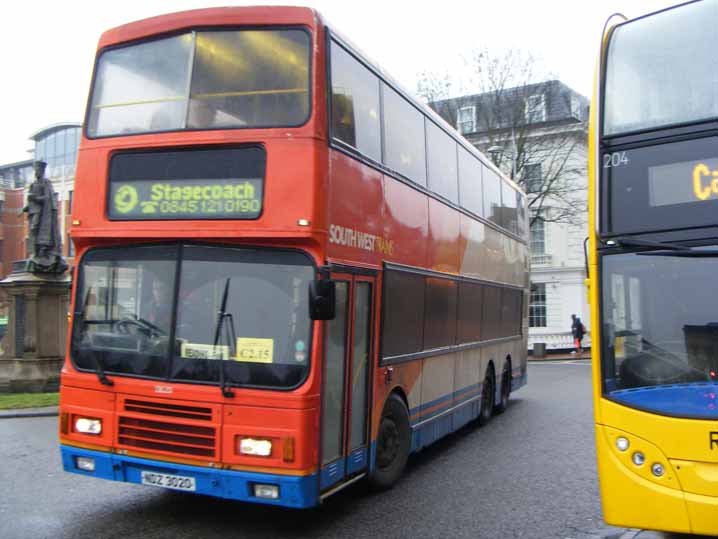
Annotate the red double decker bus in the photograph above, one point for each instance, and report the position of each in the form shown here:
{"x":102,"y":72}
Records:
{"x":290,"y":274}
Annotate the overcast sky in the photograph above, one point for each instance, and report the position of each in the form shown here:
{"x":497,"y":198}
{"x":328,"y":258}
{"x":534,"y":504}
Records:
{"x":47,"y":47}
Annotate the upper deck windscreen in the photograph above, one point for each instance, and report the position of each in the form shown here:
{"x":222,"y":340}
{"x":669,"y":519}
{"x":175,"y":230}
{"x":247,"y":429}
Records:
{"x":203,"y":80}
{"x":662,"y":70}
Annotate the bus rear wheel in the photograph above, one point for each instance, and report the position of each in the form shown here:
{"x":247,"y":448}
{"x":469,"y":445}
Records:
{"x":505,"y":389}
{"x":487,"y":397}
{"x":392,"y":444}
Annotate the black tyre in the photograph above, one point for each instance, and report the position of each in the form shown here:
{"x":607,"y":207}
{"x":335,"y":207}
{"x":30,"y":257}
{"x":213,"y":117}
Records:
{"x":487,"y":397}
{"x":392,"y":444}
{"x":505,"y":389}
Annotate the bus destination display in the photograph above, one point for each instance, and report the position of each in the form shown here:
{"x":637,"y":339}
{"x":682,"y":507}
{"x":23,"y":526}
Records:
{"x":684,"y":182}
{"x":186,"y":199}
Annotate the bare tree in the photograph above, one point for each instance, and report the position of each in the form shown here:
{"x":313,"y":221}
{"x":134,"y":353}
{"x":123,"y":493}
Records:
{"x":512,"y":118}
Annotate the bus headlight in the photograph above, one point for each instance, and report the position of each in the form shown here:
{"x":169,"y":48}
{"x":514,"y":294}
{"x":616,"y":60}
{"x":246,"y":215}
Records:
{"x":255,"y":447}
{"x":638,"y":458}
{"x":622,"y":443}
{"x":657,"y":469}
{"x":86,"y":425}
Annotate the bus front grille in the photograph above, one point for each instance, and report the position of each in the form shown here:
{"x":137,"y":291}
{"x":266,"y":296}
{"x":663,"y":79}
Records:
{"x":183,"y":411}
{"x":176,"y":438}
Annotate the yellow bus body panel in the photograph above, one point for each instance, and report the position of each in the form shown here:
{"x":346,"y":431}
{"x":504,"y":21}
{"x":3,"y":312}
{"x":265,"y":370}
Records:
{"x":685,"y":499}
{"x":630,"y":500}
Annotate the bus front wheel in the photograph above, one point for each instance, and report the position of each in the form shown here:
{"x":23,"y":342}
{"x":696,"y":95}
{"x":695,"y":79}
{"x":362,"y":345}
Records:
{"x":392,"y":444}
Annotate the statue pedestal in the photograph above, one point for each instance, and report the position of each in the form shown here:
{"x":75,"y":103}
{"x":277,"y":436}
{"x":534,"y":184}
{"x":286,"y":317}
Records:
{"x":34,"y":345}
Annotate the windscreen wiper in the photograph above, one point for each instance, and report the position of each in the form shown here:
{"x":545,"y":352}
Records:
{"x":100,"y":370}
{"x":659,"y":248}
{"x":692,"y":253}
{"x":637,"y":242}
{"x":223,"y":315}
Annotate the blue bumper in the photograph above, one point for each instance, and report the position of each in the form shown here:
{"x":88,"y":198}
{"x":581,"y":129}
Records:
{"x":294,"y":491}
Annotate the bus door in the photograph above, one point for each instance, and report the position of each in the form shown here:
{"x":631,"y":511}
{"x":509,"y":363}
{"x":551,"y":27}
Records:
{"x":346,"y":375}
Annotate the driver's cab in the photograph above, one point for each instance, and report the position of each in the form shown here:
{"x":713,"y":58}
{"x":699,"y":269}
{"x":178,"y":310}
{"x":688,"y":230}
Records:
{"x":130,"y":317}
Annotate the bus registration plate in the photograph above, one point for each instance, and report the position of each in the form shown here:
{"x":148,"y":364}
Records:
{"x":176,"y":482}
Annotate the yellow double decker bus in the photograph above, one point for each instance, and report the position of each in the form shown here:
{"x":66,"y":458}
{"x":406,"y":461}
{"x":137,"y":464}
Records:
{"x":653,"y":257}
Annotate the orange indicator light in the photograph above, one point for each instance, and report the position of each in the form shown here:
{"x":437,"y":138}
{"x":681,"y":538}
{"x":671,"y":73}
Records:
{"x":288,"y":449}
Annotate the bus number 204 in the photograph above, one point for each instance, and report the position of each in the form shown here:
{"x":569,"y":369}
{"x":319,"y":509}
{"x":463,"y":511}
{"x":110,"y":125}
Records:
{"x":615,"y":159}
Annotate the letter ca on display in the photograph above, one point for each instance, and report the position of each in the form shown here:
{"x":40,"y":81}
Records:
{"x":349,"y":237}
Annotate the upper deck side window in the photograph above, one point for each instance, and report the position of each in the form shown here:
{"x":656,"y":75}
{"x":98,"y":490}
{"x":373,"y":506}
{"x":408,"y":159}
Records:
{"x":443,"y":163}
{"x":662,"y":70}
{"x":405,"y":145}
{"x":355,"y":104}
{"x":471,"y":194}
{"x":203,"y":80}
{"x":492,"y":196}
{"x":380,"y":123}
{"x":509,"y":208}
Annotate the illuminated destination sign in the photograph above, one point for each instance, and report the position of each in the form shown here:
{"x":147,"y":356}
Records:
{"x":186,"y":199}
{"x":661,"y":186}
{"x":684,"y":182}
{"x":214,"y":183}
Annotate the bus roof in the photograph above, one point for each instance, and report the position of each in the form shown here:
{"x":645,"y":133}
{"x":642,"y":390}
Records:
{"x":223,"y":16}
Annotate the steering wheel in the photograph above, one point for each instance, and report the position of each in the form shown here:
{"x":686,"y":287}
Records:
{"x":125,"y":325}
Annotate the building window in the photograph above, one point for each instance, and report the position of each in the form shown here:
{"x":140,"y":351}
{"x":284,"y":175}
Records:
{"x":466,"y":120}
{"x":538,"y":236}
{"x":532,"y":177}
{"x":539,"y":256}
{"x":535,"y":109}
{"x":537,"y":306}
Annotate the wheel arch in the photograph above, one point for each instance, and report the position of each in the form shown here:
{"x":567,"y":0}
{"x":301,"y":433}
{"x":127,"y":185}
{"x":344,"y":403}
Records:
{"x":398,"y":391}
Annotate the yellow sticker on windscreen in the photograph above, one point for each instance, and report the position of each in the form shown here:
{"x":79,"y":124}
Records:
{"x":255,"y":350}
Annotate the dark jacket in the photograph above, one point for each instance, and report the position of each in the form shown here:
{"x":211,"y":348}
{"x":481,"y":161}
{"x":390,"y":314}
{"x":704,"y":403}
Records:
{"x":577,"y":328}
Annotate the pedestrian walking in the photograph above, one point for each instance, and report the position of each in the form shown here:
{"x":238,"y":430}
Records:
{"x":577,"y":331}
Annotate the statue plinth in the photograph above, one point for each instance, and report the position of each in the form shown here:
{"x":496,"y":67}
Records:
{"x":34,"y":344}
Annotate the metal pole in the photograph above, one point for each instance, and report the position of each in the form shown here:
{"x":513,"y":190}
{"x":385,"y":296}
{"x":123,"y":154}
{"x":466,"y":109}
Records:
{"x":513,"y":155}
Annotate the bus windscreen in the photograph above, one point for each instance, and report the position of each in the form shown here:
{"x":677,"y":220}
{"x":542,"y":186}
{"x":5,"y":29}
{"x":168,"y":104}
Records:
{"x":133,"y":317}
{"x":203,"y":80}
{"x":648,"y":82}
{"x":660,"y":333}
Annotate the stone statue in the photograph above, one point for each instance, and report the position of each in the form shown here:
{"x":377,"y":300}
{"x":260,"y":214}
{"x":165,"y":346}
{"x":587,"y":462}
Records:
{"x":45,"y":240}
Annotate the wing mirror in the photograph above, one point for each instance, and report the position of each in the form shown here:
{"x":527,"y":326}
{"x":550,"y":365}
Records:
{"x":322,"y":299}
